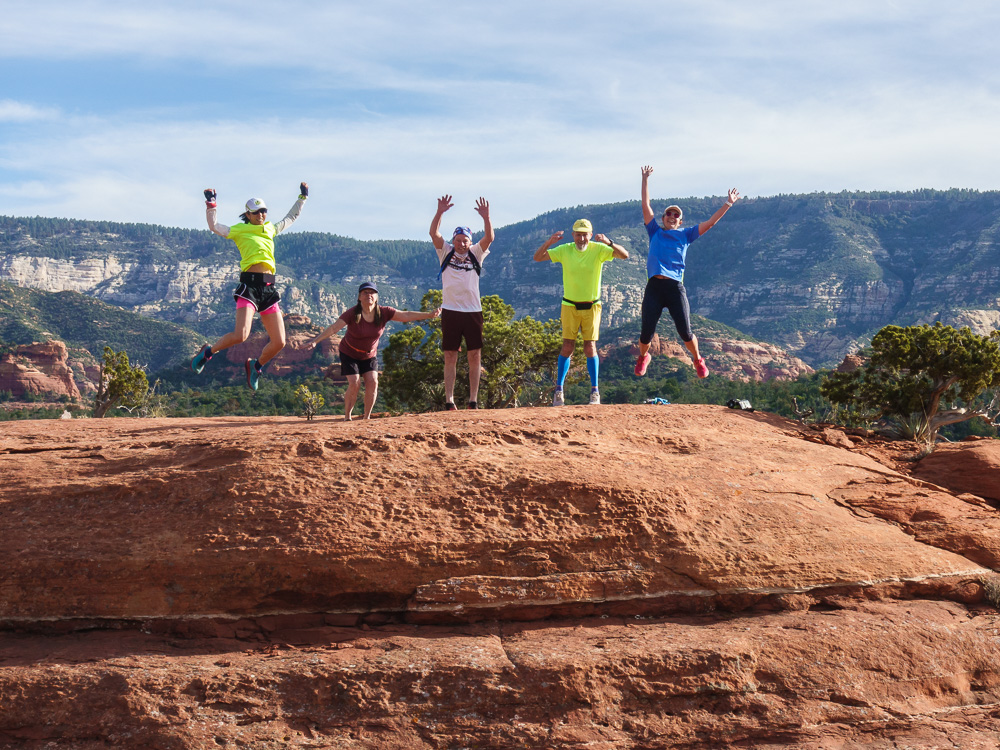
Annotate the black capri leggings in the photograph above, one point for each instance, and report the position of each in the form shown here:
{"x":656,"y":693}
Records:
{"x":670,"y":294}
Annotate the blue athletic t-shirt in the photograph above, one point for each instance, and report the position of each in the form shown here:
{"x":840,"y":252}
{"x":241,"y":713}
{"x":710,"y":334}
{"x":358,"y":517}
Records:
{"x":667,"y":249}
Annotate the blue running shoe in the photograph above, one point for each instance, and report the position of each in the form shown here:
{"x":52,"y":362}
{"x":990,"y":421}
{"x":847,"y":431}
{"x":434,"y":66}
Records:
{"x":198,"y":363}
{"x":253,"y":375}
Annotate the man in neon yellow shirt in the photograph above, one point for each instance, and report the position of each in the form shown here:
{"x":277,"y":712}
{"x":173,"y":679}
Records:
{"x":582,"y":263}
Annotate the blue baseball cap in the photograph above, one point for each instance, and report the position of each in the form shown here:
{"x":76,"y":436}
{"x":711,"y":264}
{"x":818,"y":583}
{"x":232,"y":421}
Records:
{"x":367,"y":285}
{"x":462,"y":230}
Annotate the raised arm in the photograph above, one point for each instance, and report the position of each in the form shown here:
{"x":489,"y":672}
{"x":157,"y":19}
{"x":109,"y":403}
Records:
{"x":616,"y":250}
{"x":444,"y":203}
{"x":542,"y":253}
{"x":327,"y":333}
{"x":647,"y":208}
{"x":410,"y":316}
{"x":483,"y":209}
{"x":734,"y":195}
{"x":211,"y":208}
{"x":294,"y":211}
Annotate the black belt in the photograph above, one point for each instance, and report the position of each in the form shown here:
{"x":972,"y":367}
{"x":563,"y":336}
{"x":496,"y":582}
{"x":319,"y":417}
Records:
{"x":581,"y":305}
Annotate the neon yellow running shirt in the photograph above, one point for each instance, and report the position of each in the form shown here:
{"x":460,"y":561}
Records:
{"x":255,"y":243}
{"x":581,"y":270}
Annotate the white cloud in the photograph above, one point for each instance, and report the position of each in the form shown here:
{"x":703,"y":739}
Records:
{"x":15,"y":112}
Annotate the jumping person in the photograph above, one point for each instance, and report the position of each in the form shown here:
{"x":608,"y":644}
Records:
{"x":365,"y":323}
{"x":665,"y":267}
{"x":256,"y":293}
{"x":582,"y":263}
{"x":461,"y":307}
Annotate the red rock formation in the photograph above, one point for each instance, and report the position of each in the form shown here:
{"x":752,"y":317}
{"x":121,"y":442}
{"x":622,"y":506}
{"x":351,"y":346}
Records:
{"x":605,"y":577}
{"x":965,"y":467}
{"x":731,"y":358}
{"x":851,"y":363}
{"x":35,"y":369}
{"x":294,"y":357}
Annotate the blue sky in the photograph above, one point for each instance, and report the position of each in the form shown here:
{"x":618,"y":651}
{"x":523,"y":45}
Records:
{"x":125,"y":112}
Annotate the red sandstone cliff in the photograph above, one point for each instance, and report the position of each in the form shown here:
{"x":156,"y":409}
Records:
{"x":37,"y":369}
{"x":584,"y":577}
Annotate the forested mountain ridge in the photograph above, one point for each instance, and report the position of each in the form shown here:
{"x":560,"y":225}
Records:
{"x":817,"y":274}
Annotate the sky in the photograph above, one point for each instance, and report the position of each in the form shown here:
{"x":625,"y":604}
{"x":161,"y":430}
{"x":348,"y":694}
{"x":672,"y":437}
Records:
{"x":126,"y":111}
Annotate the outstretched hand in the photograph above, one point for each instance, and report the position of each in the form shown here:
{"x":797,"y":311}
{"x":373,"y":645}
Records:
{"x":557,"y":236}
{"x":444,"y":203}
{"x":436,"y":313}
{"x":483,"y":208}
{"x":209,"y":195}
{"x":734,"y":195}
{"x":602,"y":238}
{"x":304,"y":189}
{"x":646,"y":172}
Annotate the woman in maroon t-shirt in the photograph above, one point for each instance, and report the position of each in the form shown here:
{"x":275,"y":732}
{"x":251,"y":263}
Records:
{"x":365,"y":323}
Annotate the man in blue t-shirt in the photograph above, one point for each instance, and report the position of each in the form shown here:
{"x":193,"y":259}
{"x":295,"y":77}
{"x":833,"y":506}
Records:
{"x":665,"y":268}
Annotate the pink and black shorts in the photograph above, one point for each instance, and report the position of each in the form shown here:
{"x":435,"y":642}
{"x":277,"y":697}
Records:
{"x":257,"y":290}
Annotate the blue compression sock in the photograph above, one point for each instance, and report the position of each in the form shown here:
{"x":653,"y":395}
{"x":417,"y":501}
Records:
{"x":562,"y":370}
{"x":593,"y":366}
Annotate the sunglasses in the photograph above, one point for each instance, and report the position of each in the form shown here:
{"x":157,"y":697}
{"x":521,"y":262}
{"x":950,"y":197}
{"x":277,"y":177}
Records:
{"x":674,"y":214}
{"x":258,"y":211}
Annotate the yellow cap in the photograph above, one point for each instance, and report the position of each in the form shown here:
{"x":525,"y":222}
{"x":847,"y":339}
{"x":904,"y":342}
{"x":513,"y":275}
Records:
{"x":582,"y":225}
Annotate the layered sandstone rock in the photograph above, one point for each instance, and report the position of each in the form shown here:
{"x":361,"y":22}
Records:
{"x":965,"y":467}
{"x":600,"y":577}
{"x":37,"y":369}
{"x":732,"y":359}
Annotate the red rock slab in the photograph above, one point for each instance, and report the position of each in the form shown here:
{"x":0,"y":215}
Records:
{"x":964,"y":467}
{"x":443,"y":517}
{"x":915,"y":674}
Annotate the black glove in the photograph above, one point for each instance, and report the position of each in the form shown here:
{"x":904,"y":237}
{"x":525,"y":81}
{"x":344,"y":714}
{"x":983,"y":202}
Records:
{"x":210,"y":198}
{"x":303,"y":190}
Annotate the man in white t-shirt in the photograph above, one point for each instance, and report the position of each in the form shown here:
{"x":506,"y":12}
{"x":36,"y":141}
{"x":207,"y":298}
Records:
{"x":461,"y":309}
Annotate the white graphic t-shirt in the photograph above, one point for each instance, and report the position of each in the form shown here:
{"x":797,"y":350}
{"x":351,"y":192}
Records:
{"x":459,"y":280}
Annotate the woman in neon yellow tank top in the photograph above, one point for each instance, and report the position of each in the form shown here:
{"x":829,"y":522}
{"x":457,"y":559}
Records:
{"x":256,"y":293}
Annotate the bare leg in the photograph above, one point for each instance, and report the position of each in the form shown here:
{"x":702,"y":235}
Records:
{"x":274,"y":324}
{"x":692,"y":346}
{"x":567,"y":348}
{"x":351,"y":395}
{"x":590,"y":348}
{"x":240,"y":332}
{"x":371,"y":392}
{"x":643,"y":348}
{"x":450,"y":368}
{"x":475,"y":372}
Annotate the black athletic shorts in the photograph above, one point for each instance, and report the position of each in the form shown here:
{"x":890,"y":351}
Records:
{"x":670,"y":294}
{"x":351,"y":366}
{"x":455,"y":325}
{"x":257,"y":289}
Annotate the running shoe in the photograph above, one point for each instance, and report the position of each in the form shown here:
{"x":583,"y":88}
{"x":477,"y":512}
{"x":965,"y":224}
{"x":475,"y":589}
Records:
{"x":557,"y":397}
{"x":701,"y":368}
{"x":253,"y":375}
{"x":642,"y":363}
{"x":198,"y":363}
{"x":595,"y":397}
{"x":450,"y":407}
{"x":472,"y":405}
